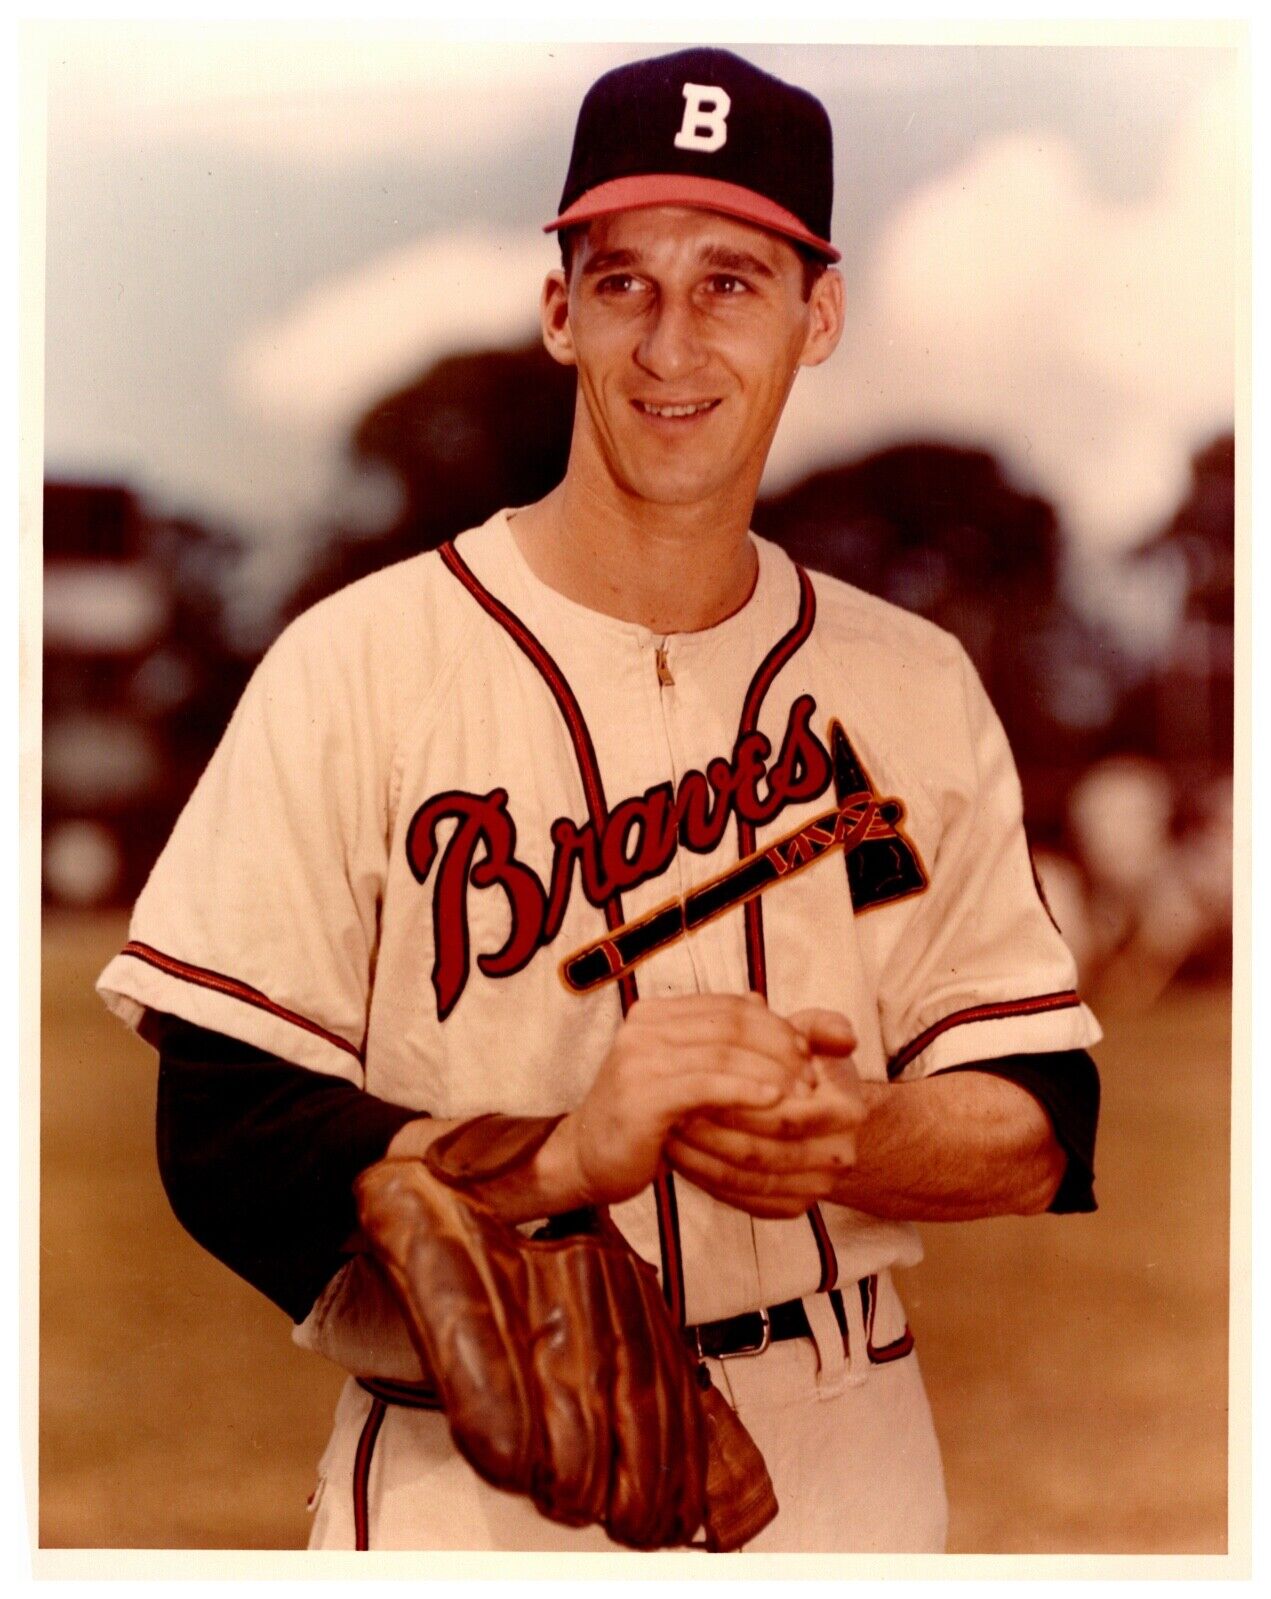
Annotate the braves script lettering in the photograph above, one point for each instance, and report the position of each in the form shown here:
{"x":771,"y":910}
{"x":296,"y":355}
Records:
{"x":635,"y":842}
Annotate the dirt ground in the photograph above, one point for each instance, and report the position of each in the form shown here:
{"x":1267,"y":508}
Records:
{"x":1077,"y":1366}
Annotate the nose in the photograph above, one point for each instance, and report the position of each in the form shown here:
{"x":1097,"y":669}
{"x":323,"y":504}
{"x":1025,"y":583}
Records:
{"x":670,"y":346}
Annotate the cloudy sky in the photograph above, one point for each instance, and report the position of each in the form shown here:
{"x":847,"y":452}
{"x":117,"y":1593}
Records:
{"x":252,"y":233}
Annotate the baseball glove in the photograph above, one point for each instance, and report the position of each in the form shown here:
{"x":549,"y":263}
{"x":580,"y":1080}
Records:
{"x":559,"y":1369}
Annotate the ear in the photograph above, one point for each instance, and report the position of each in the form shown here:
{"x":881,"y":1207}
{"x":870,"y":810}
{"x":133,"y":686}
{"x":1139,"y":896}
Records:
{"x":553,"y":310}
{"x":826,"y":312}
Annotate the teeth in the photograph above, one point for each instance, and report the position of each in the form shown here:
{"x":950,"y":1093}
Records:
{"x":675,"y":410}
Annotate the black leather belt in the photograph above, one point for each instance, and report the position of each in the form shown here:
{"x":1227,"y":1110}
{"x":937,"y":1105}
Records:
{"x":751,"y":1332}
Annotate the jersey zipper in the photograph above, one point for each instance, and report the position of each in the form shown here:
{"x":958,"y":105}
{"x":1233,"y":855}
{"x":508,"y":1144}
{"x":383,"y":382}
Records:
{"x":666,"y":705}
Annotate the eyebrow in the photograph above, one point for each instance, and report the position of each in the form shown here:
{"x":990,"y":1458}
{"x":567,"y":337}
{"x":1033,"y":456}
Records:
{"x":610,"y":261}
{"x":728,"y":260}
{"x":720,"y":256}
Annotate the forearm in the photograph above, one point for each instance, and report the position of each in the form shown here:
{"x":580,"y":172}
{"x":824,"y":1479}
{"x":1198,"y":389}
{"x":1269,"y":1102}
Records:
{"x":952,"y":1148}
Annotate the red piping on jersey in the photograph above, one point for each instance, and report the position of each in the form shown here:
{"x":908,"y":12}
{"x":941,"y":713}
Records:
{"x":206,"y":978}
{"x":896,"y":1350}
{"x":825,"y":1249}
{"x":598,"y":811}
{"x":899,"y":1347}
{"x":579,"y":732}
{"x":362,"y":1473}
{"x":781,"y":652}
{"x":1064,"y":1000}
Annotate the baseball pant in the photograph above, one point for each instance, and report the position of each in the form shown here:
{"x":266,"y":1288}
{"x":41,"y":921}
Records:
{"x":846,"y":1433}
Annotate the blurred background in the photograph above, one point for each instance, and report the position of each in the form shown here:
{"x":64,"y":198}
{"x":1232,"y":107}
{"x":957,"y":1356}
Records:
{"x":291,"y":284}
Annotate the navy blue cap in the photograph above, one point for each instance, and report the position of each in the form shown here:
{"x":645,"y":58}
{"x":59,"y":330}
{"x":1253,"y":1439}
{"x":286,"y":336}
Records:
{"x":703,"y":128}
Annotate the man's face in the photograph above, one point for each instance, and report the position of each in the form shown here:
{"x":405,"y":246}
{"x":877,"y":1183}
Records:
{"x":687,"y":329}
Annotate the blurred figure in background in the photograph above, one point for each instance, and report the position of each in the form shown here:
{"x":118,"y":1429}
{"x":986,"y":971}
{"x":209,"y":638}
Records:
{"x":1150,"y":887}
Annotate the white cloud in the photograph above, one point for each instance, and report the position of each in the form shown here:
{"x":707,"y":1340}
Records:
{"x":1008,"y":305}
{"x":352,"y":339}
{"x":321,"y":93}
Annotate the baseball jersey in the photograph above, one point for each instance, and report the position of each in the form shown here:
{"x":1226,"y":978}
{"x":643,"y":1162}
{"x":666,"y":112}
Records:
{"x":459,"y":824}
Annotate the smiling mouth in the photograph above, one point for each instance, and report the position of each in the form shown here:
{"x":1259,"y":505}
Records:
{"x":675,"y":412}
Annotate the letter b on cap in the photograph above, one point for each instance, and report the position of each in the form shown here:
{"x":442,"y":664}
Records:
{"x":705,"y":111}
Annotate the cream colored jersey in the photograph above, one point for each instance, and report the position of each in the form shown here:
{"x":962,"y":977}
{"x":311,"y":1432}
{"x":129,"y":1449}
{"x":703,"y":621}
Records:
{"x":458,"y":824}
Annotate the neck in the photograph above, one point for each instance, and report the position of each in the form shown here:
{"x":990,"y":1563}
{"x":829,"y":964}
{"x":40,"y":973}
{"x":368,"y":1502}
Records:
{"x":670,"y":568}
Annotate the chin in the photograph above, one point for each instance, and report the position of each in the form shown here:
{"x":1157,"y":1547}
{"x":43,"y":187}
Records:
{"x":677,"y":482}
{"x":668,"y":489}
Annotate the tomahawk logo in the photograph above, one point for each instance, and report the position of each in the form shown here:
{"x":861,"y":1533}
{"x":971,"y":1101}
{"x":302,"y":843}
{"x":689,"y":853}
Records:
{"x":636,"y":842}
{"x":706,"y":110}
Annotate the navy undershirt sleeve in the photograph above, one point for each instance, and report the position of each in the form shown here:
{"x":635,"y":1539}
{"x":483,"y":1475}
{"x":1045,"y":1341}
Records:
{"x":1066,"y":1084}
{"x":258,"y":1157}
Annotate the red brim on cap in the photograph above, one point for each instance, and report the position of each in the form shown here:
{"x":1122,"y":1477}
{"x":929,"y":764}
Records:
{"x":705,"y":194}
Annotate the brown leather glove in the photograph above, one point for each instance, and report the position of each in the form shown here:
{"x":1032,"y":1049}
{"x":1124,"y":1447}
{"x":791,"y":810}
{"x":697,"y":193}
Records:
{"x":560,"y":1371}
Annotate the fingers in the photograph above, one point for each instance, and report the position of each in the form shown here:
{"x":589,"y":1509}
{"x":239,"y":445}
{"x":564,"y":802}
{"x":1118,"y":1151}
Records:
{"x":759,"y":1192}
{"x":777,"y":1120}
{"x":827,"y":1032}
{"x":793,"y":1116}
{"x":774,"y":1156}
{"x":745,"y":1021}
{"x":658,"y":1070}
{"x":721,"y":1010}
{"x":699,"y":1080}
{"x":706,"y":1089}
{"x":730,"y":1021}
{"x":836,"y":1104}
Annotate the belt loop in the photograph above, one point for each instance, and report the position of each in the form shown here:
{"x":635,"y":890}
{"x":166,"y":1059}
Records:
{"x":854,"y":1299}
{"x":833,"y":1374}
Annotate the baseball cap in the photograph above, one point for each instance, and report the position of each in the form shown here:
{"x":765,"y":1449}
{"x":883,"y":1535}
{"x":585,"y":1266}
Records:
{"x":703,"y":128}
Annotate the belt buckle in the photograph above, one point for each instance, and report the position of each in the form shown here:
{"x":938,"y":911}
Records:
{"x":765,"y":1338}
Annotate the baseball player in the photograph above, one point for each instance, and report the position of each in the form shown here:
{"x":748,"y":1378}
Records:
{"x":609,"y":809}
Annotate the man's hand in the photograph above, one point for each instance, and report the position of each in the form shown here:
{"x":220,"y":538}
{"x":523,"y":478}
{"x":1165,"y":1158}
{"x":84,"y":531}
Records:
{"x":673,"y":1057}
{"x":779,"y":1160}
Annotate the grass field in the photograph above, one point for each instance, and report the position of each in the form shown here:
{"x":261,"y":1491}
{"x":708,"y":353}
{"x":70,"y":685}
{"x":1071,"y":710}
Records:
{"x":1077,"y":1366}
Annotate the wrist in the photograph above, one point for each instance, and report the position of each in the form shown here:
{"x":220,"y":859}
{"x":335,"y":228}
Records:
{"x":550,"y":1182}
{"x":559,"y":1176}
{"x":849,"y":1189}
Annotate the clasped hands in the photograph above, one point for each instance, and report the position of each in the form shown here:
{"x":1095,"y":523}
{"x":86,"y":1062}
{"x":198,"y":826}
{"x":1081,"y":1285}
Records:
{"x":761,"y":1111}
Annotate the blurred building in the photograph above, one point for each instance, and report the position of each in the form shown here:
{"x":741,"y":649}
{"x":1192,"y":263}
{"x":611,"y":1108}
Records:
{"x":137,"y":683}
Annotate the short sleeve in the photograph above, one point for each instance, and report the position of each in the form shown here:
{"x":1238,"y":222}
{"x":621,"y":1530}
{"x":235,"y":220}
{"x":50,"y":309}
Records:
{"x":981,"y":970}
{"x":259,"y":918}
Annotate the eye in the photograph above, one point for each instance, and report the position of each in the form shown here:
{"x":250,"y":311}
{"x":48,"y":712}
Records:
{"x":728,"y":284}
{"x":619,"y":283}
